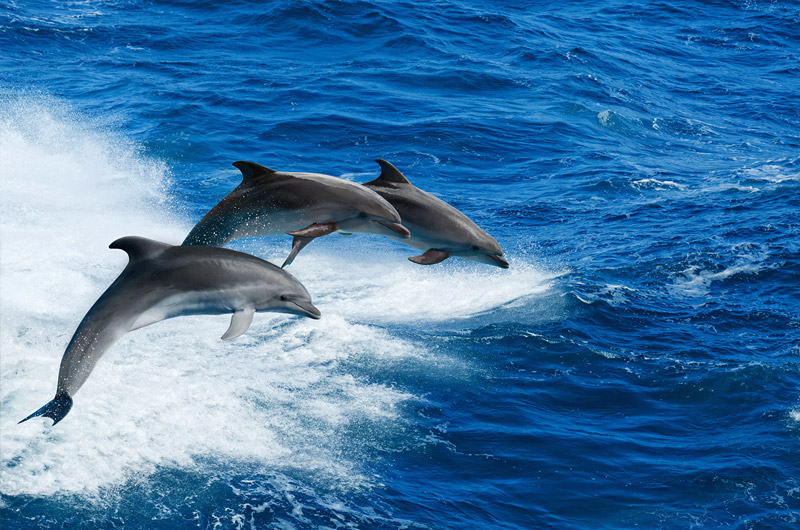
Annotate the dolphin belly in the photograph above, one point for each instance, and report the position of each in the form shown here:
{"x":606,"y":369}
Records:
{"x":191,"y":303}
{"x":423,"y":238}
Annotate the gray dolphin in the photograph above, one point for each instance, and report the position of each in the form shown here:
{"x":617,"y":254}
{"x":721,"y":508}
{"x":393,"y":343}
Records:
{"x":163,"y":281}
{"x":436,"y":227}
{"x":303,"y":205}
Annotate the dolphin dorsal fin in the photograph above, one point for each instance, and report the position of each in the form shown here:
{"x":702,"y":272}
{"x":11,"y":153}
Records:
{"x":251,"y":170}
{"x":139,"y":248}
{"x":389,"y":173}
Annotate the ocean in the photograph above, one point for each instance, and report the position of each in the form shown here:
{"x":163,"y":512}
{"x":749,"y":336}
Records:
{"x":637,"y":366}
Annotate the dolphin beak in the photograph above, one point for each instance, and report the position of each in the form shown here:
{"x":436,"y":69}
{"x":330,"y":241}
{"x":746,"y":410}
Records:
{"x":307,"y":309}
{"x":498,"y":260}
{"x":396,"y":227}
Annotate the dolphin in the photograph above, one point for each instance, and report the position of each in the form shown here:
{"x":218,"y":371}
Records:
{"x":303,"y":205}
{"x":163,"y":281}
{"x":436,"y":227}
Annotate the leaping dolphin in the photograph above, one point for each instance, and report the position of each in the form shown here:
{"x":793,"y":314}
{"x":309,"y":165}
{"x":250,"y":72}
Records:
{"x":163,"y":281}
{"x":436,"y":227}
{"x":303,"y":205}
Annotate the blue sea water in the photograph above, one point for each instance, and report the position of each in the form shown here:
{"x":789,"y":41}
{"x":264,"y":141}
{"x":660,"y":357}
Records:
{"x":638,"y":366}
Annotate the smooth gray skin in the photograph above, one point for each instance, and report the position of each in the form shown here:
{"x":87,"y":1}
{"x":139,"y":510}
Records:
{"x":433,"y":223}
{"x":270,"y":203}
{"x":163,"y":281}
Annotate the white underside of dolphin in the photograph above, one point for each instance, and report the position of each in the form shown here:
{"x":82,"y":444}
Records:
{"x":163,"y":281}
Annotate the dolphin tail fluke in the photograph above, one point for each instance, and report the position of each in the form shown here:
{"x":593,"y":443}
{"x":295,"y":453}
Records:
{"x":55,"y":409}
{"x":430,"y":257}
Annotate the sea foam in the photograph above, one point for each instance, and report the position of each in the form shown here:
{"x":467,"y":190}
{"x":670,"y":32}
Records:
{"x":166,"y":395}
{"x":173,"y":394}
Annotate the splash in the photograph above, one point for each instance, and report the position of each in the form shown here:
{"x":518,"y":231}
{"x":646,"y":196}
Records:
{"x":392,"y":290}
{"x":744,"y":259}
{"x":173,"y":395}
{"x":164,"y":396}
{"x":654,"y":184}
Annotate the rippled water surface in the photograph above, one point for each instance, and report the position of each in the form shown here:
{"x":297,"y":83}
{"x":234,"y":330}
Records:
{"x":638,"y":366}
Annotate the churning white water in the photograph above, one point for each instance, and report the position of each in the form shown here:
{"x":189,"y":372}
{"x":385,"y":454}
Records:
{"x":173,"y":394}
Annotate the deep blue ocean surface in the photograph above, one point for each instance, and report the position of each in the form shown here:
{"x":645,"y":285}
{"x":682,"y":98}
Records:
{"x":638,"y":366}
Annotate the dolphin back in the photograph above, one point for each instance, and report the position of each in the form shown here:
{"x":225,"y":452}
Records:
{"x":271,"y":203}
{"x":56,"y":408}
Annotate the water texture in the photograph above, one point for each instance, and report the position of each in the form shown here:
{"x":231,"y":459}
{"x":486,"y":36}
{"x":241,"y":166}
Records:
{"x":638,"y":366}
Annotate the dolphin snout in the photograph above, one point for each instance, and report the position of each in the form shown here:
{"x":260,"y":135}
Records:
{"x":498,"y":260}
{"x":308,"y":309}
{"x":396,"y":227}
{"x":490,"y":258}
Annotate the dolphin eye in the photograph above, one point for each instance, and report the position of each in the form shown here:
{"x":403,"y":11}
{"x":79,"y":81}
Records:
{"x":362,"y":215}
{"x":475,"y":247}
{"x":283,"y":298}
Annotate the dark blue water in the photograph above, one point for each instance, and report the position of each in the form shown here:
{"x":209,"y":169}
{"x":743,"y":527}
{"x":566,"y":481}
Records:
{"x":637,"y":367}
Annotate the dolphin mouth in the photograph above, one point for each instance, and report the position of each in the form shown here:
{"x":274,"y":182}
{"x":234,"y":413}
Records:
{"x":308,"y":309}
{"x":498,"y":260}
{"x":396,"y":227}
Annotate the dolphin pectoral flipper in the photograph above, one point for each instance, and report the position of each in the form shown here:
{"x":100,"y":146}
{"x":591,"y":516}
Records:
{"x":55,"y":409}
{"x":240,"y":322}
{"x":430,"y":257}
{"x":315,"y":230}
{"x":304,"y":236}
{"x":298,"y":243}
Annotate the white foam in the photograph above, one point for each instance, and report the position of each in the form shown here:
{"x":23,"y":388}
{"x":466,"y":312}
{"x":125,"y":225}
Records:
{"x":766,"y":176}
{"x":654,"y":184}
{"x":696,"y":281}
{"x":614,"y":294}
{"x":173,"y":394}
{"x":394,"y":290}
{"x":771,"y":172}
{"x":167,"y":394}
{"x":604,"y":117}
